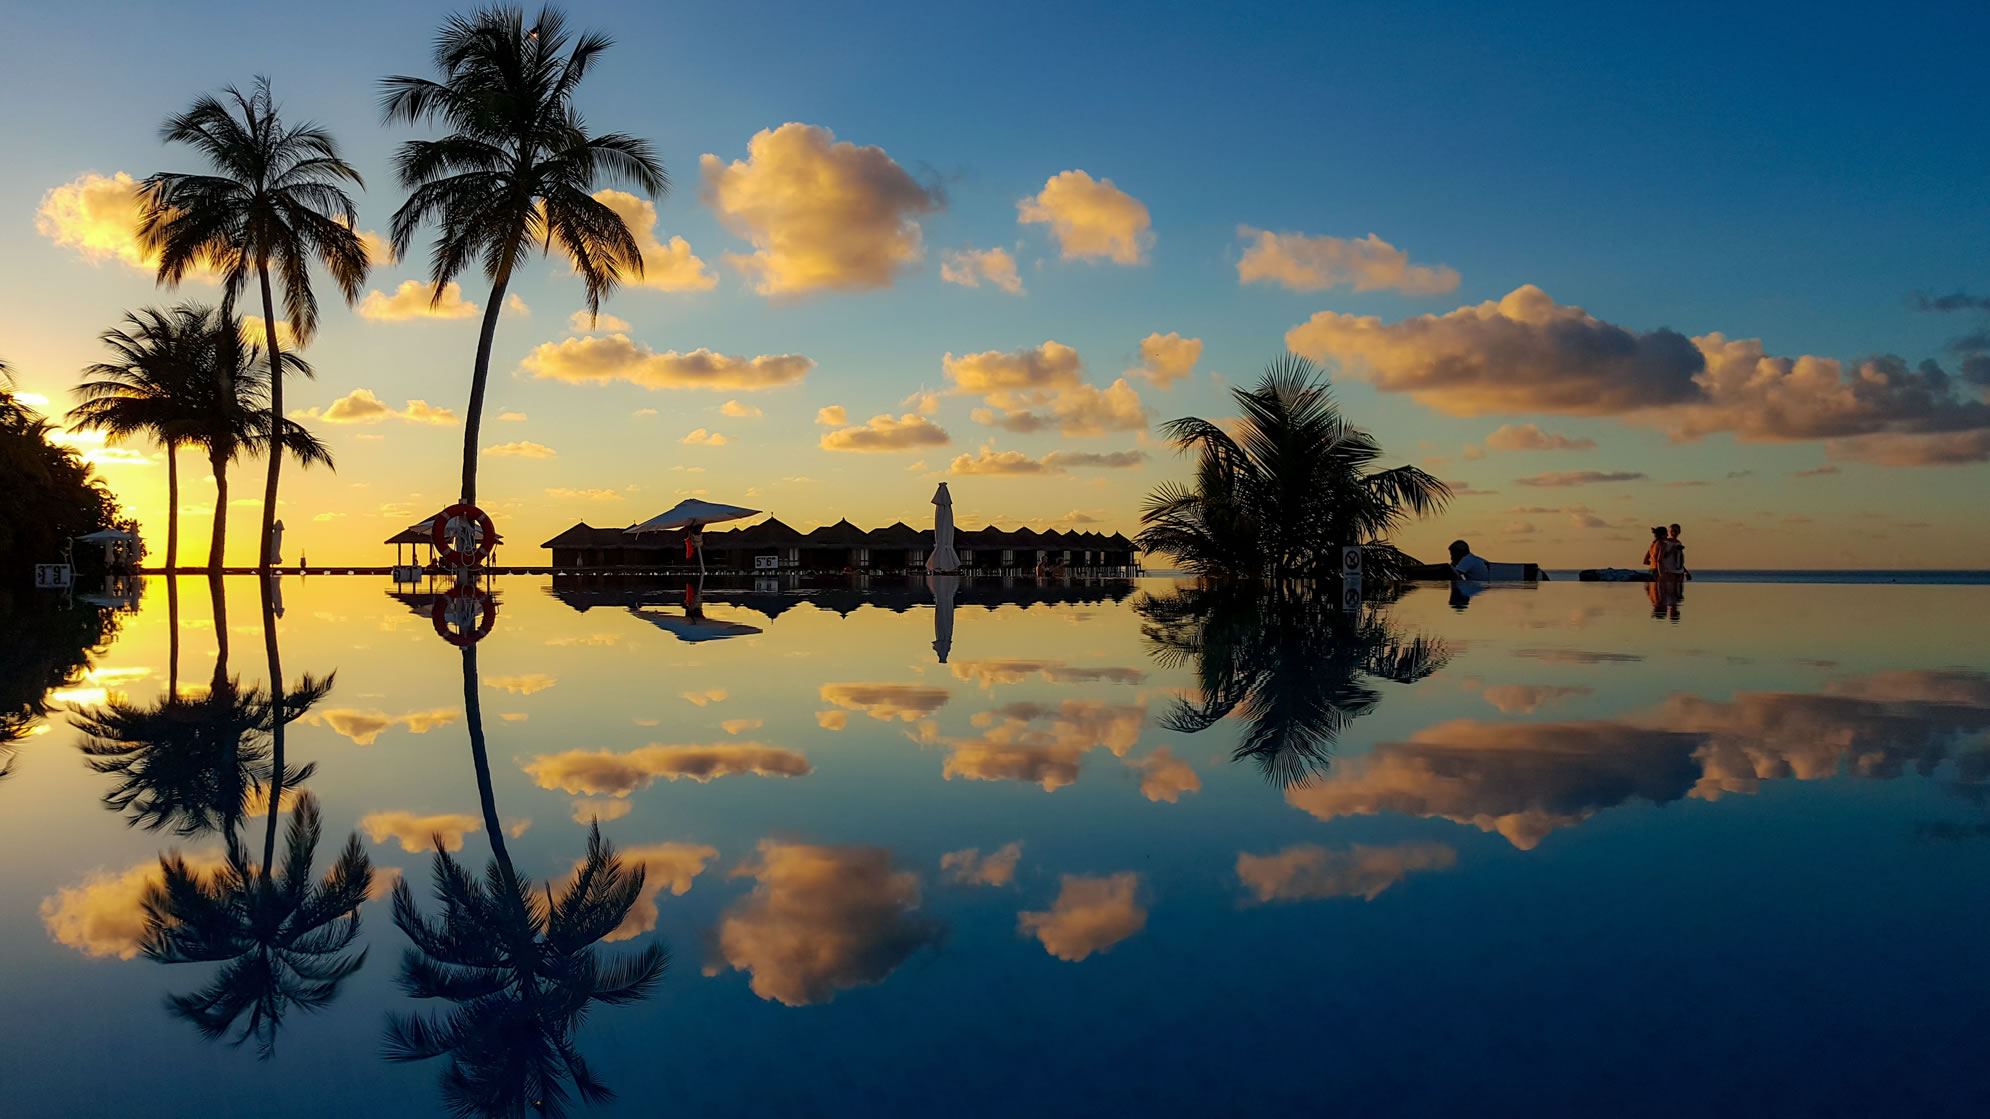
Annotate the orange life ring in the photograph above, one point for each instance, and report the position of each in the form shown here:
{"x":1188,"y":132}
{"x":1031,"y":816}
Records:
{"x":446,"y":553}
{"x":486,"y":605}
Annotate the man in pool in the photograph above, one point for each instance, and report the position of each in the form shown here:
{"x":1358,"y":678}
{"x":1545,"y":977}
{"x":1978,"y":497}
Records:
{"x":1466,"y":567}
{"x":1675,"y":558}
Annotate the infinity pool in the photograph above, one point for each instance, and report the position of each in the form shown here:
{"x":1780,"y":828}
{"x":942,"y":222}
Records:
{"x":1001,"y":850}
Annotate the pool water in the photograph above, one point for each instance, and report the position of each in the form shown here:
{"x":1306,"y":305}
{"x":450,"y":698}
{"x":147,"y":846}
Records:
{"x":1002,"y":849}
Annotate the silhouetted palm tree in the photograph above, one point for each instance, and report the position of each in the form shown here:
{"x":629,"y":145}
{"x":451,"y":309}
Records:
{"x":281,"y":937}
{"x":147,"y":391}
{"x":1278,"y":491}
{"x":275,"y":201}
{"x":514,"y":174}
{"x":1287,"y":660}
{"x":520,"y":968}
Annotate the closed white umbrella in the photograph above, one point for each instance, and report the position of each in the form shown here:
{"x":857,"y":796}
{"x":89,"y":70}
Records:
{"x":692,"y":516}
{"x":943,"y":559}
{"x":943,"y":588}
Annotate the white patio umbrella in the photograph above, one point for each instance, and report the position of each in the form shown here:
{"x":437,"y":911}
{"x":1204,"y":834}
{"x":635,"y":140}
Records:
{"x":692,"y":515}
{"x":943,"y":588}
{"x":943,"y":558}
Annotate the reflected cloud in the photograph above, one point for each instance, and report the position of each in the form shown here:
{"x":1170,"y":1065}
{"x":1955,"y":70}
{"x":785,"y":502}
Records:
{"x":1039,"y":744}
{"x":419,"y":833}
{"x":1305,"y":871}
{"x":1091,"y":914}
{"x":822,"y":920}
{"x":832,"y":720}
{"x":705,"y":698}
{"x":671,"y":865}
{"x":988,"y":673}
{"x":908,"y":703}
{"x":606,"y":773}
{"x":1164,"y":777}
{"x":1525,"y":699}
{"x":522,"y":685}
{"x":104,"y":915}
{"x":1578,"y":656}
{"x":363,"y":727}
{"x":967,"y":867}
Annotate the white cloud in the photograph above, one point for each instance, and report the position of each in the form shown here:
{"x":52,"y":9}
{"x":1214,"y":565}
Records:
{"x":1090,"y":219}
{"x":1304,"y":263}
{"x":416,"y":300}
{"x":617,"y":357}
{"x":969,"y":266}
{"x":667,"y":266}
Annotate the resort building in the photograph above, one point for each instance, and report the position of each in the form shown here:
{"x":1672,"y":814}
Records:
{"x":771,"y":546}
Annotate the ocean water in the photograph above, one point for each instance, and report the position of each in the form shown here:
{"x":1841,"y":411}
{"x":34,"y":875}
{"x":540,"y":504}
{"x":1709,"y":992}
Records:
{"x":1915,"y":577}
{"x":994,"y":850}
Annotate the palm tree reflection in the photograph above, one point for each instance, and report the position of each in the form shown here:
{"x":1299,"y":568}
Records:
{"x":518,"y":963}
{"x":1286,"y":660}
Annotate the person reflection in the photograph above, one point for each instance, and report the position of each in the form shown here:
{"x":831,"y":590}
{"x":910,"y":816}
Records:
{"x":518,"y":964}
{"x":1665,"y":595}
{"x":1288,"y":660}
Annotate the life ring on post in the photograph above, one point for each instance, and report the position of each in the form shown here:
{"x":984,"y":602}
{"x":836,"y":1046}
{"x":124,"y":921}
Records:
{"x":445,"y":546}
{"x":453,"y":608}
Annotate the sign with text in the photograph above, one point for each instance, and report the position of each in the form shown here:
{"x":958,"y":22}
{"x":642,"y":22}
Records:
{"x":766,"y":563}
{"x":53,"y":576}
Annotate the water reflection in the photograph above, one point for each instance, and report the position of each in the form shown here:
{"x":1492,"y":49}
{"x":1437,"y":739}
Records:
{"x":1284,"y":659}
{"x":47,"y":647}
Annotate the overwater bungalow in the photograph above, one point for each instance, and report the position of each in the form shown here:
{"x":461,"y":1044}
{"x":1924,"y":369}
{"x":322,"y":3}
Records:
{"x":771,"y":546}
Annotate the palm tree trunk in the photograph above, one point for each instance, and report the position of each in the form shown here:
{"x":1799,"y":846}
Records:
{"x":172,"y":505}
{"x":275,"y":419}
{"x":219,"y":462}
{"x":276,"y":724}
{"x":473,"y":714}
{"x":219,"y":598}
{"x":474,"y":420}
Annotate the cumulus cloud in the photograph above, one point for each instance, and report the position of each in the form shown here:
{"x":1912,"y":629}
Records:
{"x":969,"y":266}
{"x":1164,"y":776}
{"x":671,"y":865}
{"x":821,"y":920}
{"x":417,"y":300}
{"x":1167,"y":358}
{"x":254,"y":333}
{"x":704,"y":437}
{"x":1038,"y":387}
{"x":379,"y":250}
{"x":522,"y":449}
{"x":1529,"y":437}
{"x":987,"y":673}
{"x":361,"y":406}
{"x":617,"y":357}
{"x":1078,"y":411}
{"x":1304,"y":263}
{"x":522,"y":685}
{"x":363,"y":727}
{"x":606,"y":773}
{"x":104,"y":916}
{"x":822,"y":214}
{"x":740,"y":411}
{"x":1091,"y":914}
{"x":1042,"y":745}
{"x":1050,"y":366}
{"x":908,"y":703}
{"x":580,"y":322}
{"x":589,"y":809}
{"x":667,"y":266}
{"x":1563,"y":478}
{"x":512,"y":417}
{"x":419,"y":833}
{"x":1307,"y":871}
{"x":1090,"y":219}
{"x":97,"y":216}
{"x":969,"y":868}
{"x":991,"y":461}
{"x":908,"y":432}
{"x":832,"y":415}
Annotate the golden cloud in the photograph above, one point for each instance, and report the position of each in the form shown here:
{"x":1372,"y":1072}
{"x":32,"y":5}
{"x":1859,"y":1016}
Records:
{"x":580,"y":322}
{"x":1307,"y":871}
{"x":907,"y":703}
{"x":417,"y":300}
{"x":969,"y":266}
{"x":666,"y":266}
{"x":740,"y":411}
{"x":589,"y":809}
{"x":98,"y":216}
{"x":361,"y":406}
{"x":822,"y":920}
{"x":664,"y":864}
{"x":616,"y":357}
{"x":990,"y":461}
{"x":585,"y":495}
{"x":832,"y":720}
{"x":1091,"y":914}
{"x":989,"y":672}
{"x":702,"y":698}
{"x":1529,"y":437}
{"x":1042,"y":745}
{"x":1164,"y":777}
{"x":522,"y":685}
{"x":908,"y":432}
{"x":1052,"y":365}
{"x":606,"y":773}
{"x":104,"y":917}
{"x":418,"y":833}
{"x":1090,"y":219}
{"x":1167,"y":358}
{"x":522,"y":449}
{"x":968,"y":867}
{"x":1304,"y":263}
{"x":704,"y":438}
{"x":832,"y":415}
{"x":822,"y":214}
{"x":364,"y":727}
{"x":254,"y":334}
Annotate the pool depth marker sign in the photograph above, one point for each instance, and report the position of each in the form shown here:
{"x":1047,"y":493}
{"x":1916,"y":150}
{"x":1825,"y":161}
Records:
{"x":1350,"y":578}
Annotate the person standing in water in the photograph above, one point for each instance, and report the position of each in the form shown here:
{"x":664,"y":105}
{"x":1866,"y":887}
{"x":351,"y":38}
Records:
{"x":1676,"y":557}
{"x":1655,"y":555}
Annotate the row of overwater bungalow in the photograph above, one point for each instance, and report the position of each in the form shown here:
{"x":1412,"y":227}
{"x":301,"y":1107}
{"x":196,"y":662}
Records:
{"x":771,"y":545}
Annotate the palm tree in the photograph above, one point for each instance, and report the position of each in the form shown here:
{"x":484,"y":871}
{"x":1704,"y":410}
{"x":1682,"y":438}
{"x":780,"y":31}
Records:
{"x":1285,"y":659}
{"x":147,"y":390}
{"x":516,"y":171}
{"x":276,"y":201}
{"x":520,"y":969}
{"x":1287,"y":484}
{"x":282,"y":936}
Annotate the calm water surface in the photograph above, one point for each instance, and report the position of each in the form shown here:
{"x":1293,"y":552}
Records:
{"x":1128,"y":850}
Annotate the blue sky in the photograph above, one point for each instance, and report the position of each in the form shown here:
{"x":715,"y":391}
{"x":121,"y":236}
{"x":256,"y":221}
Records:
{"x":1793,"y":175}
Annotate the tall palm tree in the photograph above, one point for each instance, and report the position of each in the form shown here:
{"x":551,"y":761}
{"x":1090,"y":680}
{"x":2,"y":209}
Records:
{"x":1279,"y":491}
{"x":146,"y":391}
{"x":515,"y":173}
{"x":1287,"y":660}
{"x":518,"y":964}
{"x":275,"y":202}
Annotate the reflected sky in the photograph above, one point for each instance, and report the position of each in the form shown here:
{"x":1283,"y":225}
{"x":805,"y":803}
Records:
{"x":1547,"y":833}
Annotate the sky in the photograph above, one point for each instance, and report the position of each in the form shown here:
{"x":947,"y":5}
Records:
{"x":1595,"y":269}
